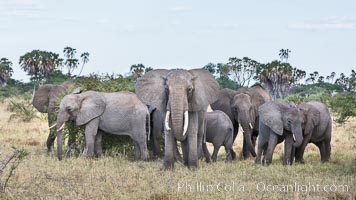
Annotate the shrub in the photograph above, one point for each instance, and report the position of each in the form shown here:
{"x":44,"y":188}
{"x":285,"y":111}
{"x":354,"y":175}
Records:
{"x":22,"y":109}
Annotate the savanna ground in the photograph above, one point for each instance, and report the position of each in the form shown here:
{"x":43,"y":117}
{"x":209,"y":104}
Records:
{"x":42,"y":176}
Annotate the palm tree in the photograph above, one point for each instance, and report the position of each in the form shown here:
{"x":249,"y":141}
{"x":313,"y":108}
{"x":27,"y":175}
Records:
{"x":5,"y":70}
{"x":137,"y":70}
{"x":39,"y":64}
{"x":71,"y":62}
{"x":85,"y":59}
{"x":284,"y":54}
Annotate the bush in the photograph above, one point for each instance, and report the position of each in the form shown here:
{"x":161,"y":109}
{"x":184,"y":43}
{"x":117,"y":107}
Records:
{"x":344,"y":105}
{"x":22,"y":109}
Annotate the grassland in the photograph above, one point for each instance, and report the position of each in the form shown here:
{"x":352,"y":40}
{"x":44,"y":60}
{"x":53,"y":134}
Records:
{"x":42,"y":176}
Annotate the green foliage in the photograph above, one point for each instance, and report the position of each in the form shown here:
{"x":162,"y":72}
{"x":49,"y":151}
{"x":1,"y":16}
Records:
{"x":225,"y":82}
{"x":344,"y":105}
{"x":22,"y":109}
{"x":5,"y":70}
{"x":57,"y":78}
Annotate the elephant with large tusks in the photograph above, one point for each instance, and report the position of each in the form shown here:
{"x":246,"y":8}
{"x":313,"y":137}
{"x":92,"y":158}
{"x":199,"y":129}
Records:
{"x":183,"y":95}
{"x":45,"y":101}
{"x":242,"y":108}
{"x":316,"y":129}
{"x":278,"y":122}
{"x":119,"y":113}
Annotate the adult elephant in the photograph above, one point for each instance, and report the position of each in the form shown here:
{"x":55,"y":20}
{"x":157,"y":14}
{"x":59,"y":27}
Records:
{"x":278,"y":122}
{"x":119,"y":113}
{"x":242,"y":108}
{"x":183,"y":95}
{"x":45,"y":100}
{"x":317,"y":129}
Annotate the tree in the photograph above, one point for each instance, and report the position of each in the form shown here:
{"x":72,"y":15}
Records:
{"x":347,"y":83}
{"x":321,"y":79}
{"x":39,"y":64}
{"x":147,"y":69}
{"x":85,"y":59}
{"x":312,"y":77}
{"x":242,"y":70}
{"x":5,"y":70}
{"x":284,"y":54}
{"x":276,"y":77}
{"x":223,"y":70}
{"x":71,"y":62}
{"x":211,"y":67}
{"x":137,"y":70}
{"x":331,"y":77}
{"x":297,"y":76}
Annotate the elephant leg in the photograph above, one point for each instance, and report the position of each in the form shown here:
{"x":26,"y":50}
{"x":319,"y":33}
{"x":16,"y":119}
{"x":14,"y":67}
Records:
{"x":91,"y":130}
{"x":321,"y":146}
{"x":299,"y":152}
{"x":157,"y":131}
{"x":236,"y":131}
{"x":184,"y":145}
{"x":143,"y":150}
{"x":192,"y":137}
{"x":51,"y":138}
{"x":272,"y":142}
{"x":228,"y":155}
{"x":288,"y":148}
{"x":206,"y":152}
{"x":169,"y":148}
{"x":98,"y":150}
{"x":215,"y":153}
{"x":327,"y":143}
{"x":137,"y":151}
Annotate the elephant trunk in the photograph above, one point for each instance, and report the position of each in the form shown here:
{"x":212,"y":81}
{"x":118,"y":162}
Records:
{"x":61,"y":119}
{"x":297,"y":135}
{"x":179,"y":119}
{"x":247,"y":132}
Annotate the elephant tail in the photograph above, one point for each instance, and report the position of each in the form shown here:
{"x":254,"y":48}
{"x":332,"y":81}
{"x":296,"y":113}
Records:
{"x":148,"y":126}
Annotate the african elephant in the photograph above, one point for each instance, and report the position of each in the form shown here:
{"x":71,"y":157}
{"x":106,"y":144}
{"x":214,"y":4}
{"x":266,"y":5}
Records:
{"x":278,"y":122}
{"x":119,"y":113}
{"x":219,"y":131}
{"x":183,"y":95}
{"x":45,"y":100}
{"x":242,"y":108}
{"x":316,"y":129}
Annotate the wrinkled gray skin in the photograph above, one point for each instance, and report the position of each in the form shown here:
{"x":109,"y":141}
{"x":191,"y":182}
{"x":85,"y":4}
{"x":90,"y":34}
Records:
{"x":45,"y":101}
{"x":316,"y":129}
{"x":242,"y":108}
{"x":157,"y":119}
{"x":178,"y":91}
{"x":119,"y":113}
{"x":219,"y":131}
{"x":278,"y":122}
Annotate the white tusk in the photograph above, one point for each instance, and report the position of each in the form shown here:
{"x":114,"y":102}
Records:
{"x":293,"y":137}
{"x":186,"y":122}
{"x":61,"y":128}
{"x":250,"y":125}
{"x":52,"y":126}
{"x":166,"y":122}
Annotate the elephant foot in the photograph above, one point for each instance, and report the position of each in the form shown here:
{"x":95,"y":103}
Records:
{"x":301,"y":161}
{"x":169,"y":164}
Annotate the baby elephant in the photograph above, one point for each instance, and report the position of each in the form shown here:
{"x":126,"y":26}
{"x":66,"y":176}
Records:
{"x":219,"y":131}
{"x":119,"y":113}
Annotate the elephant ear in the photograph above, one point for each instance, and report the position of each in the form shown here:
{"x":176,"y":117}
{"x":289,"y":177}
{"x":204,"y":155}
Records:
{"x":92,"y":105}
{"x":206,"y":90}
{"x":312,"y":117}
{"x":41,"y":98}
{"x":271,"y":116}
{"x":150,"y":88}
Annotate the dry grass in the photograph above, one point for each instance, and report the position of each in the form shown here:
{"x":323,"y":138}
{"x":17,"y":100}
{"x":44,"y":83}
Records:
{"x":42,"y":176}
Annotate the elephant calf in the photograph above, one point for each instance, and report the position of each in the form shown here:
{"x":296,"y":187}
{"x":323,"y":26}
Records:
{"x":119,"y":113}
{"x":219,"y":131}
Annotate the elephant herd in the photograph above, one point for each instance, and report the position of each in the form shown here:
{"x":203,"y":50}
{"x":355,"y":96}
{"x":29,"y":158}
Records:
{"x":175,"y":102}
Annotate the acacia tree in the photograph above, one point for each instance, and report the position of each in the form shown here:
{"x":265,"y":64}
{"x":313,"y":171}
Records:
{"x":39,"y":64}
{"x":211,"y":67}
{"x":242,"y":70}
{"x":5,"y":70}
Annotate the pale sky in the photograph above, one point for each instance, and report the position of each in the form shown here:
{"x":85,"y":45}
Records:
{"x":187,"y":34}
